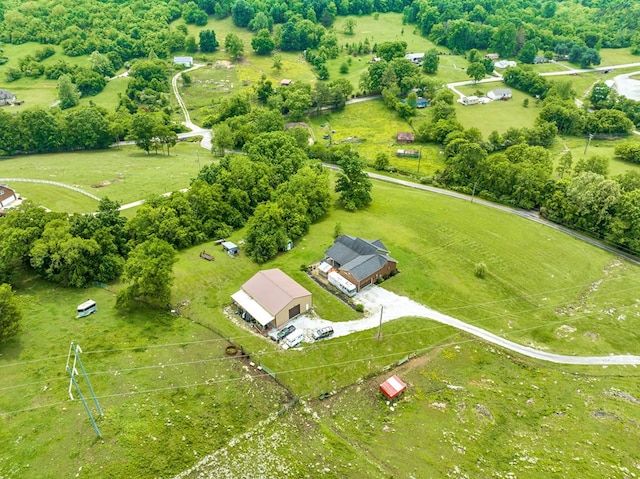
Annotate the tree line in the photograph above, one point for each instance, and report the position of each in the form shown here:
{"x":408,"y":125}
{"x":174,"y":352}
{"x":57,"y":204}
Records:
{"x":506,"y":27}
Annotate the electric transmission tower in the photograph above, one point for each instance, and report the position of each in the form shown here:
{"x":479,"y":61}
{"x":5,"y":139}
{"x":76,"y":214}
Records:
{"x":75,"y":350}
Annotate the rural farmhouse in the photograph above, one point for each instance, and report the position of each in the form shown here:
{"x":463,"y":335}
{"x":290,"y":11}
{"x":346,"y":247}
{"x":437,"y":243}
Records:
{"x":360,"y":261}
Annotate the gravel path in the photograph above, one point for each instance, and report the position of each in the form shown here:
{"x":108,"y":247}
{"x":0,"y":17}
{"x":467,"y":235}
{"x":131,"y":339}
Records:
{"x":375,"y":298}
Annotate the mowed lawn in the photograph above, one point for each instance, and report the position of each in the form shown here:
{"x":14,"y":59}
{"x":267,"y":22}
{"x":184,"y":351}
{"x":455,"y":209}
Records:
{"x":124,"y":174}
{"x":496,"y":115}
{"x":38,"y":91}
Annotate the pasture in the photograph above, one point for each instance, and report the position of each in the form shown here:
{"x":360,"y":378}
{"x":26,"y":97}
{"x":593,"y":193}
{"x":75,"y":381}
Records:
{"x":124,"y":174}
{"x":171,"y":396}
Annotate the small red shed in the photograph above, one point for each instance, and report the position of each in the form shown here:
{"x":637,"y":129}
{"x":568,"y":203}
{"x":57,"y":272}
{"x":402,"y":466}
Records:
{"x":393,"y":387}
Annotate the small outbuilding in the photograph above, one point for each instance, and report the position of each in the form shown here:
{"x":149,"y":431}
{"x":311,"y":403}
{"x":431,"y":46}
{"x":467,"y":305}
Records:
{"x":407,"y":153}
{"x":7,"y":98}
{"x":393,"y":387}
{"x":539,"y":60}
{"x":184,"y":61}
{"x":415,"y":58}
{"x":470,"y":100}
{"x":286,"y":82}
{"x":7,"y":196}
{"x":492,"y":56}
{"x":405,"y":137}
{"x":230,"y":248}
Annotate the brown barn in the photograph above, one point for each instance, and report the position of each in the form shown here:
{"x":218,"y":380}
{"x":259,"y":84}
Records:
{"x":360,"y":261}
{"x":405,"y":137}
{"x":271,"y":299}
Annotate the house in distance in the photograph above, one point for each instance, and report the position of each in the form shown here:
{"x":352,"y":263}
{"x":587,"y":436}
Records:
{"x":184,"y":61}
{"x":359,"y":261}
{"x":7,"y":196}
{"x":270,"y":299}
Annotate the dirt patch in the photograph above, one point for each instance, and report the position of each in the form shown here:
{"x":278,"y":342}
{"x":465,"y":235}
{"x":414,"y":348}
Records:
{"x":227,"y":65}
{"x":104,"y":183}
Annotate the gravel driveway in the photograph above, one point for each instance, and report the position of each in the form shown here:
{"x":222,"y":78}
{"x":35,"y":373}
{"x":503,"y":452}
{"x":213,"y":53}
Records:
{"x":395,"y":306}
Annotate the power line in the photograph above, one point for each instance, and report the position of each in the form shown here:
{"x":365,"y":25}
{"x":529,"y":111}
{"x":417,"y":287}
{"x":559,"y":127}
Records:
{"x":436,"y":326}
{"x":446,"y":310}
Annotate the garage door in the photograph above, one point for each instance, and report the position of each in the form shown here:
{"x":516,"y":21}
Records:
{"x":294,"y":311}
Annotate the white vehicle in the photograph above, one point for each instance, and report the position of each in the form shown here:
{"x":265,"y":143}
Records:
{"x":87,"y":308}
{"x":294,"y":339}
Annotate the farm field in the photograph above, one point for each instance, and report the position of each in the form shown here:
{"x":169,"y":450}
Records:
{"x":161,"y":378}
{"x":477,"y":412}
{"x":123,"y":174}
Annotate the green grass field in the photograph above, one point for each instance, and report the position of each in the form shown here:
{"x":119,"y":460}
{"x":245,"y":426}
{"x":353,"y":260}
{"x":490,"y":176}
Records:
{"x":34,"y":91}
{"x":124,"y":174}
{"x":496,"y":115}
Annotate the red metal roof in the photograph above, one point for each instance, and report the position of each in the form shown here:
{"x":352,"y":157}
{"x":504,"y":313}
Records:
{"x":393,"y":387}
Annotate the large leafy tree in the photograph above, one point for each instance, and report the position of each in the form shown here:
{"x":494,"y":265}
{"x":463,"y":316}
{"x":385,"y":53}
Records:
{"x":143,"y":128}
{"x":477,"y":71}
{"x":63,"y":258}
{"x":208,"y":42}
{"x":352,"y":183}
{"x":148,"y":274}
{"x":10,"y":315}
{"x":68,"y":93}
{"x":242,"y":13}
{"x":262,"y":43}
{"x":431,"y":61}
{"x":266,"y":232}
{"x":234,"y":46}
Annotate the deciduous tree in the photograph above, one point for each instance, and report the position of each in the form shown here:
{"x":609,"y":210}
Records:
{"x":148,"y":274}
{"x":352,"y":182}
{"x":10,"y":314}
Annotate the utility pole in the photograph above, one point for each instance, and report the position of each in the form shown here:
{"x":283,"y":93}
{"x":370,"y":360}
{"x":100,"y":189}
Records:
{"x":380,"y":325}
{"x":473,"y":193}
{"x":588,"y":143}
{"x":419,"y":158}
{"x":73,"y":372}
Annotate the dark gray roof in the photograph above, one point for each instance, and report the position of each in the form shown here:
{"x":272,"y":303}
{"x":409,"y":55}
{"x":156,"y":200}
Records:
{"x":358,"y":256}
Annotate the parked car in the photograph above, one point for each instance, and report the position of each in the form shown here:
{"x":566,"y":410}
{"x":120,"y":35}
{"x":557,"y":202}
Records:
{"x":322,"y":333}
{"x":283,"y":333}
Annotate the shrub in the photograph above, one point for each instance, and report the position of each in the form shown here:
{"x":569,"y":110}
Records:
{"x":360,"y":308}
{"x":481,"y":270}
{"x":628,"y":151}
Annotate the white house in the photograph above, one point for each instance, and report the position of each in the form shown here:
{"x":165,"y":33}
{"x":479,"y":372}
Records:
{"x":185,"y":61}
{"x":500,"y":94}
{"x":415,"y":58}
